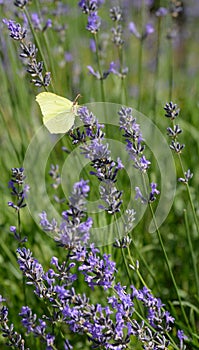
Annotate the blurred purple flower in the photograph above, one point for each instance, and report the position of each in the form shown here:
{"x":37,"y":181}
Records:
{"x":139,"y":195}
{"x":36,"y":21}
{"x":149,"y":29}
{"x":96,"y":74}
{"x":68,"y":56}
{"x":133,"y":30}
{"x":92,"y":45}
{"x":161,"y":12}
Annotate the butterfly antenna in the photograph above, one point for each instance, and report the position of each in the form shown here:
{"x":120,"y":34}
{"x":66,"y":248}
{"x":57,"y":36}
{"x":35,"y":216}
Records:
{"x":76,"y":99}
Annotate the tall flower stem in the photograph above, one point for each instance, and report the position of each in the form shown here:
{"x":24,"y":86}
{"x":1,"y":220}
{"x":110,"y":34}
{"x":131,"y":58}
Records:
{"x":140,"y":53}
{"x":189,"y":195}
{"x":156,"y":74}
{"x":99,"y":67}
{"x":137,"y":270}
{"x":170,"y":69}
{"x":169,"y":269}
{"x":193,"y":258}
{"x":124,"y":98}
{"x":123,"y":254}
{"x":146,"y":265}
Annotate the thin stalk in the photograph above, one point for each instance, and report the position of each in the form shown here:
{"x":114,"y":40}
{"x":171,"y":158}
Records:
{"x":156,"y":74}
{"x":190,"y":198}
{"x":170,"y":70}
{"x":123,"y":86}
{"x":140,"y":53}
{"x":99,"y":67}
{"x":137,"y":271}
{"x":193,"y":258}
{"x":169,"y":269}
{"x":146,"y":265}
{"x":123,"y":255}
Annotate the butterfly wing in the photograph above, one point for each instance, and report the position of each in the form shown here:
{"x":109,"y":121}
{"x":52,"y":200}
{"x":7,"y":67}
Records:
{"x":61,"y":123}
{"x":57,"y":111}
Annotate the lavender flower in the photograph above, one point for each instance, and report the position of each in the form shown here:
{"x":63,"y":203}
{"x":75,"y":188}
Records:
{"x":18,"y":189}
{"x":72,"y":231}
{"x":149,"y":29}
{"x":14,"y":339}
{"x":90,"y":8}
{"x":29,"y":51}
{"x":116,"y":70}
{"x":151,"y":197}
{"x":16,"y":31}
{"x":37,"y":23}
{"x":111,"y":196}
{"x":176,"y":146}
{"x":133,"y":30}
{"x":187,"y":176}
{"x":105,"y":169}
{"x":94,"y":23}
{"x":106,"y":73}
{"x":140,"y":195}
{"x":92,"y":72}
{"x":98,"y":272}
{"x":37,"y":327}
{"x":161,"y":12}
{"x":20,"y":3}
{"x":134,"y":139}
{"x":174,"y":132}
{"x":182,"y":337}
{"x":117,"y":36}
{"x":172,"y":110}
{"x":116,"y":14}
{"x":153,"y":192}
{"x":110,"y":326}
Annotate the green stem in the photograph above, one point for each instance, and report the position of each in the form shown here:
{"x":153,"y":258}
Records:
{"x":146,"y":266}
{"x":170,"y":70}
{"x":169,"y":268}
{"x":123,"y":86}
{"x":137,"y":270}
{"x":99,"y":67}
{"x":140,"y":52}
{"x":156,"y":74}
{"x":192,"y":253}
{"x":123,"y":255}
{"x":189,"y":195}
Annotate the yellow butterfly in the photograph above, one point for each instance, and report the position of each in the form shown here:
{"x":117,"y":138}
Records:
{"x":58,"y":112}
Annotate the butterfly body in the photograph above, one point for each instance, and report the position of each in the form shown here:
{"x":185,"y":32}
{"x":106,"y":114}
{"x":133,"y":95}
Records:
{"x":58,"y":112}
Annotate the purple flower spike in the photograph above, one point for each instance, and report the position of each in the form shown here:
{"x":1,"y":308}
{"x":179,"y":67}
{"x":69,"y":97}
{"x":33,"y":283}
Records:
{"x":149,"y":29}
{"x":16,"y":31}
